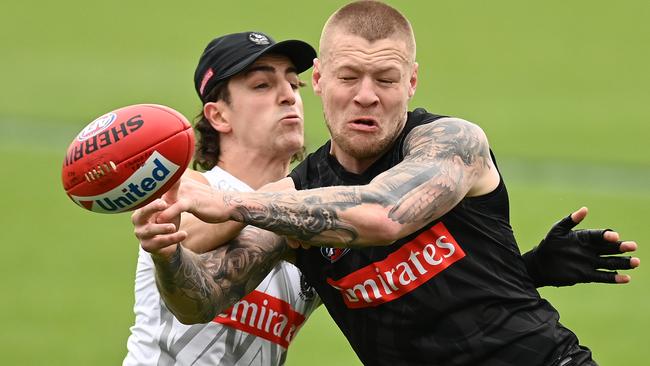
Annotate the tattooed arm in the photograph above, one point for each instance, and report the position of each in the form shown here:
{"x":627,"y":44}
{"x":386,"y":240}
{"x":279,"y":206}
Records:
{"x":198,"y":287}
{"x":444,"y":161}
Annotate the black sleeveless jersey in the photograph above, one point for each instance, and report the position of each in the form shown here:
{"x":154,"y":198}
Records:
{"x":455,"y":292}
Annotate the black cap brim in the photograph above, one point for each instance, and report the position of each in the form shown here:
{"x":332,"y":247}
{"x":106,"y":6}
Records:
{"x":300,"y":53}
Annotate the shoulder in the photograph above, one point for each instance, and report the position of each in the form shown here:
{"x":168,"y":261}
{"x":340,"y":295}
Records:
{"x":448,"y":138}
{"x":447,"y":126}
{"x":446,"y":130}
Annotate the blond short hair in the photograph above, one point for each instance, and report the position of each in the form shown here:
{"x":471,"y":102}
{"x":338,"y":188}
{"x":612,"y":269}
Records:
{"x":370,"y":20}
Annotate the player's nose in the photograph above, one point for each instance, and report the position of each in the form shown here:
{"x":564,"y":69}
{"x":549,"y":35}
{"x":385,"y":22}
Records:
{"x":287,"y":93}
{"x":366,"y":95}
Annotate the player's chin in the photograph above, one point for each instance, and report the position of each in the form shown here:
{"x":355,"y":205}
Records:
{"x":292,"y":140}
{"x":363,"y":147}
{"x":289,"y":145}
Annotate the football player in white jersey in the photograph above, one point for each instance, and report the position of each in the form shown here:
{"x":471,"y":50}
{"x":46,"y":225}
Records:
{"x":250,"y":129}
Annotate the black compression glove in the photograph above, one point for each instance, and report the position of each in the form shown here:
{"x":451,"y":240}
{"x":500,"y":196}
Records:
{"x":566,"y":257}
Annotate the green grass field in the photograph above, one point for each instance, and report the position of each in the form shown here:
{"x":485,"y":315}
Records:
{"x":561,"y":88}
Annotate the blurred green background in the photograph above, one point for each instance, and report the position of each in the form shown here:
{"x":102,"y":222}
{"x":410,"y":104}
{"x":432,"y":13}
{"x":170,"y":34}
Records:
{"x":560,"y":87}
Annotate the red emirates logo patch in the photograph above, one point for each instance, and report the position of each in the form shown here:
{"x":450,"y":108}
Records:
{"x":265,"y":316}
{"x":402,"y":271}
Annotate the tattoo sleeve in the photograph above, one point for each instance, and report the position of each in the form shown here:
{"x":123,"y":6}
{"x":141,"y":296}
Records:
{"x":198,"y":287}
{"x":442,"y":162}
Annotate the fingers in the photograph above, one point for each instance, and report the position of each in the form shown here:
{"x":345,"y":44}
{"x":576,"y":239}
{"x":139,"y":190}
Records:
{"x":160,"y":242}
{"x":614,"y":263}
{"x":603,"y":277}
{"x":610,"y":277}
{"x":155,"y":237}
{"x":169,"y":213}
{"x":628,"y":246}
{"x":148,"y":231}
{"x":622,"y":278}
{"x":611,"y":236}
{"x":294,"y":244}
{"x":171,"y":195}
{"x":605,"y":242}
{"x":566,"y":224}
{"x":601,"y":242}
{"x":579,"y":215}
{"x":142,"y":215}
{"x":177,"y":199}
{"x":153,"y":233}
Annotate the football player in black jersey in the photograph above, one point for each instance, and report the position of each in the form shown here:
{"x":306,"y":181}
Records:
{"x":414,"y":220}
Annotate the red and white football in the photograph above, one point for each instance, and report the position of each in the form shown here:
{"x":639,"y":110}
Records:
{"x":127,"y":158}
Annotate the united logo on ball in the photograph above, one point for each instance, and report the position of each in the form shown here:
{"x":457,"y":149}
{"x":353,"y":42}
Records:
{"x":128,"y":157}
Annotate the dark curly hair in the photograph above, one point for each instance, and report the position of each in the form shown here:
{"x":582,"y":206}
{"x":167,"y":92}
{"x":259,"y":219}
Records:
{"x":206,"y":153}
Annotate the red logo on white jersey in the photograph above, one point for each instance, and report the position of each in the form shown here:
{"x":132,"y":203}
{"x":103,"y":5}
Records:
{"x":402,"y":271}
{"x":265,"y":316}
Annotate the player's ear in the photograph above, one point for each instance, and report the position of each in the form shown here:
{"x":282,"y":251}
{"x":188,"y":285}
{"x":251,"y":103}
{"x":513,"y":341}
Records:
{"x":413,"y":81}
{"x":217,"y":114}
{"x":315,"y":77}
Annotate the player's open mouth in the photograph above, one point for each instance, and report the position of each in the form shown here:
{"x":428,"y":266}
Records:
{"x":364,"y":124}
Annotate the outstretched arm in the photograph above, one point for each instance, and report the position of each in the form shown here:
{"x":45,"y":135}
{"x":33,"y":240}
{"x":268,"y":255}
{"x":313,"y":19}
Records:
{"x":444,"y":162}
{"x":566,"y":257}
{"x":203,"y":237}
{"x":196,"y":287}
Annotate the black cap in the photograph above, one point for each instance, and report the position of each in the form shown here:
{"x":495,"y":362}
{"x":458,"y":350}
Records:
{"x":227,"y":55}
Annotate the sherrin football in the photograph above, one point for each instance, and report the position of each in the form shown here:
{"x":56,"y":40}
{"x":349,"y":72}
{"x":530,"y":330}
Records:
{"x":127,"y":158}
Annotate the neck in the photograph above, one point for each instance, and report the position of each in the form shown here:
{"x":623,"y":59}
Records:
{"x":254,"y":168}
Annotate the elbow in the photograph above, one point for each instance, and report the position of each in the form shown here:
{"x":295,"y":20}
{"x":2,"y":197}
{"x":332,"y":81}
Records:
{"x":381,"y":230}
{"x":391,"y":231}
{"x":187,"y":320}
{"x":192,"y":320}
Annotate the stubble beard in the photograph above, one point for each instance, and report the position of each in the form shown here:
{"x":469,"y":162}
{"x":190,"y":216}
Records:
{"x":361,"y":148}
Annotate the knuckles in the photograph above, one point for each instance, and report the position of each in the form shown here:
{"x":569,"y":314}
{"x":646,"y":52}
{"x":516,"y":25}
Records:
{"x":135,"y":216}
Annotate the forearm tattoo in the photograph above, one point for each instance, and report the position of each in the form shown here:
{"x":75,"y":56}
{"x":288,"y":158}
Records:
{"x":198,"y":287}
{"x":441,"y":161}
{"x":312,"y":218}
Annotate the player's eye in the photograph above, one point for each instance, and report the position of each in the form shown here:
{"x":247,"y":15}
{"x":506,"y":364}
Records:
{"x":295,"y":85}
{"x":261,"y":86}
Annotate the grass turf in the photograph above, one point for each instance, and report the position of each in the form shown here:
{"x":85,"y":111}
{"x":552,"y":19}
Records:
{"x":560,"y":89}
